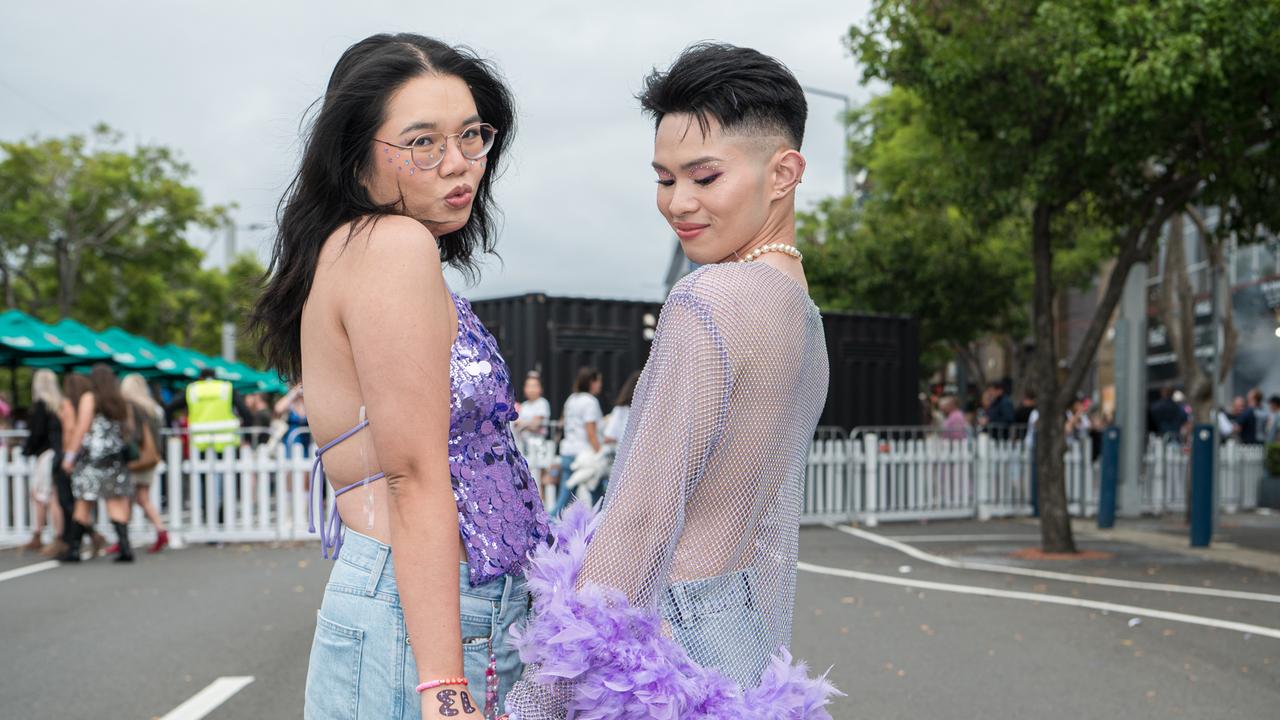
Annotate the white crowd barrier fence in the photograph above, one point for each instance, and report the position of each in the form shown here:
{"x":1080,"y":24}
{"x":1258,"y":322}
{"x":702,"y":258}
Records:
{"x":872,"y":475}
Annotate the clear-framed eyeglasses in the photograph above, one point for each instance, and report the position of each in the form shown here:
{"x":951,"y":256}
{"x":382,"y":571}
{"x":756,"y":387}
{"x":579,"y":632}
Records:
{"x":427,"y":150}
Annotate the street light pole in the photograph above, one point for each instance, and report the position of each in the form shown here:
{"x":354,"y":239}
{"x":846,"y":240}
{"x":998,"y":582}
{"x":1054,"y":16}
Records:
{"x":848,"y":106}
{"x":229,"y":251}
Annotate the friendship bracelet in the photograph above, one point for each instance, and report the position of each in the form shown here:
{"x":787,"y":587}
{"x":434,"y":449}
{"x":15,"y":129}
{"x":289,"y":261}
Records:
{"x":437,"y":683}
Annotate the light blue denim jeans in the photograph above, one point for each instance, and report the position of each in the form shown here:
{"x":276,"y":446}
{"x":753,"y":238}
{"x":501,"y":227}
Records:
{"x":718,"y":623}
{"x":362,"y":662}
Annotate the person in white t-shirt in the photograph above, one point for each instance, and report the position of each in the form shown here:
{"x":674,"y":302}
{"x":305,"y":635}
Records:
{"x":534,"y":411}
{"x":616,"y":425}
{"x":582,"y":431}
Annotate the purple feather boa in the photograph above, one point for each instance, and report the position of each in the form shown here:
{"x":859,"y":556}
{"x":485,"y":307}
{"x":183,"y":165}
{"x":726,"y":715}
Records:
{"x":620,"y":662}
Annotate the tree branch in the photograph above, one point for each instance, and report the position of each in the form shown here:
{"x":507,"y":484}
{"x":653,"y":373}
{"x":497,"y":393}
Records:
{"x":1136,"y":246}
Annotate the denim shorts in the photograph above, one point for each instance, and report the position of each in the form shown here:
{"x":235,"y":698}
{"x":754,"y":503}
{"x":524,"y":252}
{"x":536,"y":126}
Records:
{"x":362,"y":663}
{"x":718,"y":623}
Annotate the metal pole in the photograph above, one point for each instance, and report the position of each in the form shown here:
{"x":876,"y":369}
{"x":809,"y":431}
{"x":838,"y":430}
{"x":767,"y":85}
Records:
{"x":1131,"y":389}
{"x":229,"y":328}
{"x":1111,"y":443}
{"x":1203,"y":452}
{"x":844,"y":120}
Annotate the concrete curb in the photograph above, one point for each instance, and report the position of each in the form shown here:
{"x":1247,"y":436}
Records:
{"x":1224,"y":552}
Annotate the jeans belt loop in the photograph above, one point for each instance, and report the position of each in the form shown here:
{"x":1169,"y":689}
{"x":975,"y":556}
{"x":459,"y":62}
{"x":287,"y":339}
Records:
{"x":375,"y":572}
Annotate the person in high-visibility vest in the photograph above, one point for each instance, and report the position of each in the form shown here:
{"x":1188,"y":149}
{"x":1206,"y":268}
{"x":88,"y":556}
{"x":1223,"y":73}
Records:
{"x":211,"y":414}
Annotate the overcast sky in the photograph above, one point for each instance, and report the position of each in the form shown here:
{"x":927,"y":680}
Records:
{"x":226,"y":83}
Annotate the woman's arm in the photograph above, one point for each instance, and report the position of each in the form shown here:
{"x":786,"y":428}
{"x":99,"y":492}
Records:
{"x":84,"y":418}
{"x":67,"y":418}
{"x":399,"y":319}
{"x":677,"y":419}
{"x":592,"y":436}
{"x":282,"y":405}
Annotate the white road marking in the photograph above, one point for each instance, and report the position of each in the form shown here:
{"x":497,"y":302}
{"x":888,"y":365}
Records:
{"x":1131,"y":610}
{"x":1051,"y":575}
{"x":963,"y":538}
{"x":208,"y":699}
{"x":28,"y":570}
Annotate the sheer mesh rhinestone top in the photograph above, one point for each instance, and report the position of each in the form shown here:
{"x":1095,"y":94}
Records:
{"x":500,"y":512}
{"x":702,"y":510}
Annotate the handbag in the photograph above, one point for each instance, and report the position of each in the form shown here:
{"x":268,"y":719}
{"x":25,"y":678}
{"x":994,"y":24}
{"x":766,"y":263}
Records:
{"x":146,"y":454}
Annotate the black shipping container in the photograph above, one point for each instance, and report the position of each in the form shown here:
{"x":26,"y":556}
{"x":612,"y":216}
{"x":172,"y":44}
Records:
{"x":875,"y":360}
{"x":558,"y":335}
{"x":875,"y":370}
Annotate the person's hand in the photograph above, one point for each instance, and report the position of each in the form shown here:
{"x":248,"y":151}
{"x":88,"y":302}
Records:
{"x":449,"y":701}
{"x":68,"y":465}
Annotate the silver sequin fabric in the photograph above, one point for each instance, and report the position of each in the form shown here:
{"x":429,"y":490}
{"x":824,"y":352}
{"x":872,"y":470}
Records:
{"x":100,"y":469}
{"x":702,"y":512}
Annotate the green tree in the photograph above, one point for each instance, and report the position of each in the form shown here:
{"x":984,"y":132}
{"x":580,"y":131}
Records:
{"x":93,"y":230}
{"x":909,"y":244}
{"x":1126,"y":110}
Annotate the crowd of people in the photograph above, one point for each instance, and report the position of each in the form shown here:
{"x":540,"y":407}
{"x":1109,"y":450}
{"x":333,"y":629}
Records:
{"x":1249,"y":420}
{"x":97,"y":438}
{"x":993,"y":412}
{"x":93,"y":437}
{"x":587,"y":438}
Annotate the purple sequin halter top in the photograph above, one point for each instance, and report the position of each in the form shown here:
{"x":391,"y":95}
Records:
{"x":500,"y":512}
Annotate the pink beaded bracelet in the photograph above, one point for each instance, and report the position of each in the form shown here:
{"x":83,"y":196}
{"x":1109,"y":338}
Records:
{"x":437,"y":683}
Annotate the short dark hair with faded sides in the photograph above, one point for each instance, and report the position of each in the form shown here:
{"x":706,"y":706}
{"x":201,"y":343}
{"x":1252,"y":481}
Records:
{"x":746,"y":91}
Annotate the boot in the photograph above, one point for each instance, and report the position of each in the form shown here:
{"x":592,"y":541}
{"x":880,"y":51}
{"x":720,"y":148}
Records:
{"x":56,"y":548}
{"x":35,"y":543}
{"x":95,"y":539}
{"x":75,"y":535}
{"x":162,"y":542}
{"x":122,"y":534}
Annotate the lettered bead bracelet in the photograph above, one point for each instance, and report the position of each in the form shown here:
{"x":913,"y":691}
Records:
{"x":439,"y":683}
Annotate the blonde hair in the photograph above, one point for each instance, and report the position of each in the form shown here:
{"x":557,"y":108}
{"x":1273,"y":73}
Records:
{"x":44,"y":388}
{"x":135,"y":390}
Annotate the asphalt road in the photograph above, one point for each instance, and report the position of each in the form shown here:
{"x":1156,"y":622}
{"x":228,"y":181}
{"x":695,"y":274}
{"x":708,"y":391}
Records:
{"x":134,"y":642}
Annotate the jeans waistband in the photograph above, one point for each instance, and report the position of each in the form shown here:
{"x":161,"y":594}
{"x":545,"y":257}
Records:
{"x":373,"y":558}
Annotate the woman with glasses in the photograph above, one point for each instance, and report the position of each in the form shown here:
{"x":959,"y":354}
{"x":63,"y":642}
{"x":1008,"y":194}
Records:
{"x":407,"y":396}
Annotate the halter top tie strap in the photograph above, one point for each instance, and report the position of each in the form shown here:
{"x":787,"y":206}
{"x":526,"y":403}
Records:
{"x":331,"y":524}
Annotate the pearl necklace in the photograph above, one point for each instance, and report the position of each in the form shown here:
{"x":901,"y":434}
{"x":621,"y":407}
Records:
{"x":773,"y":247}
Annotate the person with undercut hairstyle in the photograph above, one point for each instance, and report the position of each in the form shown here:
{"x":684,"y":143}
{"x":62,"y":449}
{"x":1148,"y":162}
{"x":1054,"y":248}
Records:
{"x":676,"y":600}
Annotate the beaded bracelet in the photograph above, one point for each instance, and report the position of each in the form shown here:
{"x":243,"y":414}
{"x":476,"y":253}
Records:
{"x":437,"y":683}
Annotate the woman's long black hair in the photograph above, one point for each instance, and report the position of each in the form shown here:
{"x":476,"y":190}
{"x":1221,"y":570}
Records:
{"x":327,"y":191}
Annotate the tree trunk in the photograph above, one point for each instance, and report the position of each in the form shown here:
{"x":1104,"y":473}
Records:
{"x":10,"y":300}
{"x":973,"y":366}
{"x":1050,"y":444}
{"x":1177,"y":310}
